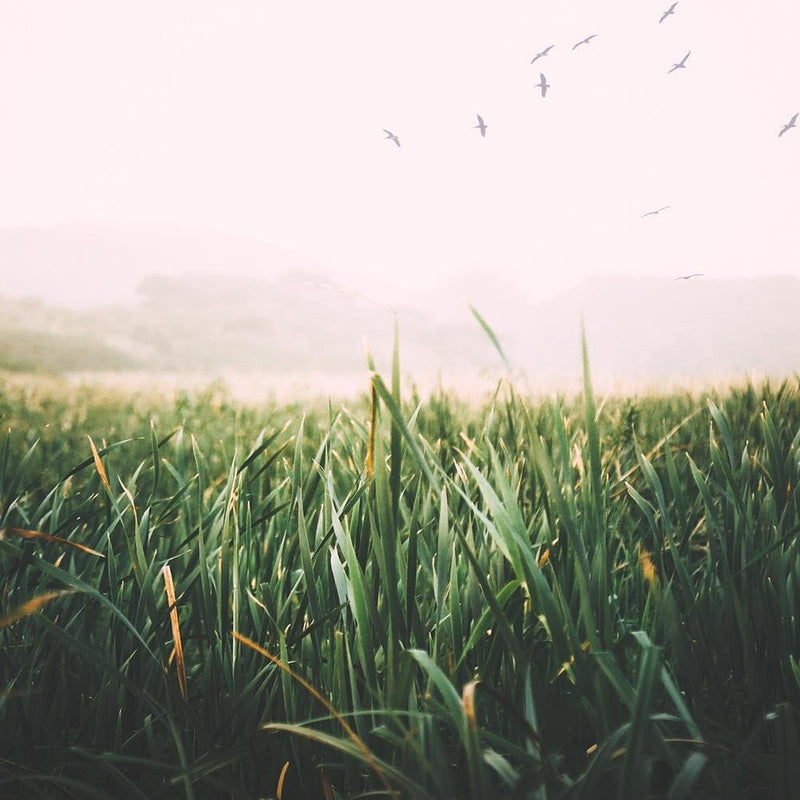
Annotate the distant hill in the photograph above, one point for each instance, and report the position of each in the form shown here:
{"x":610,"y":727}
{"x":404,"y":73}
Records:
{"x":637,"y":330}
{"x":81,"y":266}
{"x":214,"y":324}
{"x":189,"y":302}
{"x":650,"y":328}
{"x":37,"y":338}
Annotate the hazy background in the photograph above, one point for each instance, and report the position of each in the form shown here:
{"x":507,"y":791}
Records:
{"x":144,"y":144}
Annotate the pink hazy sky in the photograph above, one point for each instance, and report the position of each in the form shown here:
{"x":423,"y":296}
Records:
{"x":265,"y":119}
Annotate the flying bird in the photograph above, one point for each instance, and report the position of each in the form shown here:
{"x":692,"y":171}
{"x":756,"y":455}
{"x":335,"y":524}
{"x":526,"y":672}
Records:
{"x":790,"y":124}
{"x":680,"y":65}
{"x":657,"y":211}
{"x":670,"y":10}
{"x":543,"y":53}
{"x":692,"y":275}
{"x":543,"y":84}
{"x":584,"y":41}
{"x":482,"y":125}
{"x":390,"y":135}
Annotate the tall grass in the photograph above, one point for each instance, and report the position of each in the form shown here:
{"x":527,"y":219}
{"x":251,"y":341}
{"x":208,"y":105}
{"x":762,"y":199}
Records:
{"x":417,"y":599}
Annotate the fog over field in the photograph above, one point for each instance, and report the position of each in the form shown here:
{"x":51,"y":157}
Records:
{"x":267,"y":186}
{"x":297,"y":328}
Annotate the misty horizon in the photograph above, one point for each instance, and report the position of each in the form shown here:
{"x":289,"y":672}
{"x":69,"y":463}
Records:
{"x":293,"y":323}
{"x":91,"y":265}
{"x":268,"y":125}
{"x":303,"y":165}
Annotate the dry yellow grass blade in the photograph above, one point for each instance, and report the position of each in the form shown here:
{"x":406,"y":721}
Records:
{"x":468,"y":701}
{"x":281,"y":779}
{"x":566,"y":667}
{"x":354,"y":737}
{"x":101,"y":470}
{"x":471,"y":443}
{"x":34,"y":604}
{"x":23,"y":533}
{"x":176,"y":631}
{"x":373,"y":414}
{"x":648,"y":568}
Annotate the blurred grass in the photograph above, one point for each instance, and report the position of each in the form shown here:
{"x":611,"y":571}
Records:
{"x":405,"y":596}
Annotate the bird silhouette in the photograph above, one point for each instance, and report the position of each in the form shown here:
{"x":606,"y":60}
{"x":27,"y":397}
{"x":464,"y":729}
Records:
{"x":680,"y":65}
{"x":670,"y":10}
{"x":584,"y":41}
{"x":543,"y":84}
{"x":390,"y":135}
{"x":482,"y":125}
{"x":543,"y":53}
{"x":687,"y":277}
{"x":790,"y":124}
{"x":657,"y":211}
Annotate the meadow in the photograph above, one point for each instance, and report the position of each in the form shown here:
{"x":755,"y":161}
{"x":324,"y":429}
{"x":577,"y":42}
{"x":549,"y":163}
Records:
{"x":400,"y":596}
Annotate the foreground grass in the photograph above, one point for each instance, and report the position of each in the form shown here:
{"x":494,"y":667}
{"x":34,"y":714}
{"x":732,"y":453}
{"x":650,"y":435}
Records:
{"x":401,"y":599}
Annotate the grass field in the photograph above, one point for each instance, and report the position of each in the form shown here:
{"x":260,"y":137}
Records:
{"x":400,"y":597}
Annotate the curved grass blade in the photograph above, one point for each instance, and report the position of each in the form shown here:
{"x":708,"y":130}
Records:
{"x":23,"y":533}
{"x":687,"y":777}
{"x":487,"y":329}
{"x":365,"y":753}
{"x":32,"y":606}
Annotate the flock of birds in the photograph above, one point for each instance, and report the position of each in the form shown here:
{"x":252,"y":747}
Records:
{"x":543,"y":86}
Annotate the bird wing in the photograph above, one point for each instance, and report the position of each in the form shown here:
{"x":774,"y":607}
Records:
{"x":794,"y":119}
{"x":686,"y":56}
{"x":538,"y":55}
{"x":480,"y":121}
{"x":547,"y":49}
{"x":389,"y":134}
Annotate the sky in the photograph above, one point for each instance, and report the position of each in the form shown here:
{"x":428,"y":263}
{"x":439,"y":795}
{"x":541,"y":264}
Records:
{"x":266,"y":119}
